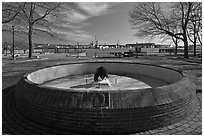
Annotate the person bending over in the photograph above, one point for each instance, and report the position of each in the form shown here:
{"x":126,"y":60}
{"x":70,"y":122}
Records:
{"x":100,"y":72}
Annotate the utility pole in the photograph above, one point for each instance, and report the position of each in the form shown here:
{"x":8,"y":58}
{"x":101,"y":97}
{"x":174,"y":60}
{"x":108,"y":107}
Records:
{"x":77,"y":49}
{"x":117,"y":45}
{"x":96,"y":45}
{"x":13,"y":43}
{"x":6,"y":47}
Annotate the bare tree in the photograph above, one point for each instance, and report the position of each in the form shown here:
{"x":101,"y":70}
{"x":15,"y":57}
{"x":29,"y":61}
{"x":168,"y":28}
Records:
{"x":194,"y":25}
{"x":35,"y":16}
{"x":151,"y":20}
{"x":200,"y":27}
{"x":200,"y":24}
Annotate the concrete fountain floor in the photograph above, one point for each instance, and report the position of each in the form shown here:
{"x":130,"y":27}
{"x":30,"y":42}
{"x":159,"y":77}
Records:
{"x":85,"y":81}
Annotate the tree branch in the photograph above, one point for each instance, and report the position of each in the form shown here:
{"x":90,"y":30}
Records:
{"x":47,"y":12}
{"x":23,"y":9}
{"x":12,"y":18}
{"x":41,"y":30}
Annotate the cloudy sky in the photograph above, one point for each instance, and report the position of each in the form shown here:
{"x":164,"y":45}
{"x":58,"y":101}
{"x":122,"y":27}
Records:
{"x":109,"y":22}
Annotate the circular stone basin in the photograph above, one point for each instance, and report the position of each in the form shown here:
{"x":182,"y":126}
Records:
{"x":86,"y":81}
{"x":143,"y":97}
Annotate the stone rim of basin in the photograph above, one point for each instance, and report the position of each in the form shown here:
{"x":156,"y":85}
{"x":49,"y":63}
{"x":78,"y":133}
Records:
{"x":26,"y":76}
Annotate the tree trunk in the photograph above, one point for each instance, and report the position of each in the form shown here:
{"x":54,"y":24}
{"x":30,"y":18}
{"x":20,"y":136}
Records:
{"x":194,"y":49}
{"x":176,"y":44}
{"x":195,"y":40}
{"x":30,"y":42}
{"x":185,"y":42}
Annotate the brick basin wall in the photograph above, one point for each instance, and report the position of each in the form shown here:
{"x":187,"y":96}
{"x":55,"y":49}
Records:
{"x":106,"y":112}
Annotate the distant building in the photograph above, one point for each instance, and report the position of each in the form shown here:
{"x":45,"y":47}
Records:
{"x":105,"y":46}
{"x":140,"y":45}
{"x":162,"y":46}
{"x":146,"y":45}
{"x":149,"y":48}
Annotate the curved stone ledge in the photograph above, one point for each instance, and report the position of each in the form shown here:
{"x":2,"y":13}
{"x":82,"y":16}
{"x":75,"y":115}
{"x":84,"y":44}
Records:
{"x":162,"y":73}
{"x":109,"y":111}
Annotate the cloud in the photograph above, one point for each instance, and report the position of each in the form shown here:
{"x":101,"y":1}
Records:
{"x":76,"y":17}
{"x":82,"y":11}
{"x":71,"y":24}
{"x":94,"y":8}
{"x":73,"y":35}
{"x":71,"y":31}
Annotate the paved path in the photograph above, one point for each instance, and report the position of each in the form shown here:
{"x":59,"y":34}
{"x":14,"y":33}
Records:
{"x":189,"y":126}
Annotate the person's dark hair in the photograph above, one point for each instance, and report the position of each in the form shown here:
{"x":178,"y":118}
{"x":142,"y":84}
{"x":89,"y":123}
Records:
{"x":100,"y":72}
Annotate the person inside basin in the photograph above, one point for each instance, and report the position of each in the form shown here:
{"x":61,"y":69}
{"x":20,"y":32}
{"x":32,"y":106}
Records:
{"x":101,"y":76}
